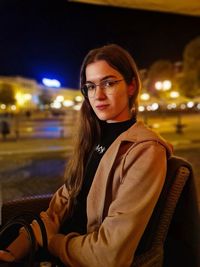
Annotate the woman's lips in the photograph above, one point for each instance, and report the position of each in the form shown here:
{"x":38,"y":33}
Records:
{"x":101,"y":107}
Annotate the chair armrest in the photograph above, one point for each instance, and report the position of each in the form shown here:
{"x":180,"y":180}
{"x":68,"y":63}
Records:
{"x":34,"y":204}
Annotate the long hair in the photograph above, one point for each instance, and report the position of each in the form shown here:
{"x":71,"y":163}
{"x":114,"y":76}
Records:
{"x":89,"y":129}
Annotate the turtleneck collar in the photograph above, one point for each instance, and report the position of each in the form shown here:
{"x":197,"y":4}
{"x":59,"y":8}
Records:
{"x":116,"y":126}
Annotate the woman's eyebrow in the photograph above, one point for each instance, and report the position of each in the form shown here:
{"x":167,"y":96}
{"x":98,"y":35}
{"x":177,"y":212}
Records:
{"x":104,"y":78}
{"x":108,"y":77}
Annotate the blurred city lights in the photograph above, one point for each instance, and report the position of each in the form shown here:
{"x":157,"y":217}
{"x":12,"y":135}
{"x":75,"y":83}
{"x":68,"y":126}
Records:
{"x":27,"y":96}
{"x":158,"y":85}
{"x":22,"y":98}
{"x":174,"y":94}
{"x":60,"y":98}
{"x":154,"y":106}
{"x":149,"y":108}
{"x":3,"y":106}
{"x":78,"y":98}
{"x":77,"y":107}
{"x":172,"y":101}
{"x":183,"y":106}
{"x":190,"y":104}
{"x":141,"y":108}
{"x":56,"y":105}
{"x":51,"y":82}
{"x":29,"y":129}
{"x":165,"y":85}
{"x":68,"y":103}
{"x":145,"y":96}
{"x":13,"y":107}
{"x":156,"y":125}
{"x":171,"y":106}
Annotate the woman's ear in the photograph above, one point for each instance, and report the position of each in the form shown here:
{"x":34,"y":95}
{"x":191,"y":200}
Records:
{"x":131,"y":88}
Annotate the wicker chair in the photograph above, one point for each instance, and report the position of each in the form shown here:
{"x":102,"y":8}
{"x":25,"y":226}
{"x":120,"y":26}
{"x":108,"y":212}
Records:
{"x":166,"y":226}
{"x":34,"y":204}
{"x":171,"y":238}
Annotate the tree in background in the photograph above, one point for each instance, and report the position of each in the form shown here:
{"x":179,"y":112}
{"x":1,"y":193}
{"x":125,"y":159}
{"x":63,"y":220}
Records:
{"x":7,"y":94}
{"x":190,"y":80}
{"x":160,"y":70}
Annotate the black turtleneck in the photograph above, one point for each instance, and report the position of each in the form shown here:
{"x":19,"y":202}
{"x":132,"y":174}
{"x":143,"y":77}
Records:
{"x":109,"y":132}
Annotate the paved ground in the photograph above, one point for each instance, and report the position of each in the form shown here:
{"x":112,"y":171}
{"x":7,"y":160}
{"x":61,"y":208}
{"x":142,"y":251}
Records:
{"x":31,"y":146}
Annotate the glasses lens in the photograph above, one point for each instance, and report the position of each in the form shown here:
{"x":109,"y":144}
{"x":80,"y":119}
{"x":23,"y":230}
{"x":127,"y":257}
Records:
{"x":84,"y":90}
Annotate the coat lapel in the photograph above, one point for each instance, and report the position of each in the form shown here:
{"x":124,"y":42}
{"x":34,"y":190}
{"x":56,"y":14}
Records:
{"x":96,"y":196}
{"x":97,"y":193}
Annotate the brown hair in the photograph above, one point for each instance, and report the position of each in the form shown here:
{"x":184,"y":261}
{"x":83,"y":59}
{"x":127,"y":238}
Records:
{"x":89,"y":130}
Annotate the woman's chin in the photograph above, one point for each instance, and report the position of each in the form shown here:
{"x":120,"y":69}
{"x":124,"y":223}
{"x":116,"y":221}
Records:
{"x":103,"y":117}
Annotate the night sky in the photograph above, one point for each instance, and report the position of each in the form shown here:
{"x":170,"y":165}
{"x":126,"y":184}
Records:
{"x":49,"y":38}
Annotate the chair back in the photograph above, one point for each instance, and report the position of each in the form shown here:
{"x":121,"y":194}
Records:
{"x":152,"y":249}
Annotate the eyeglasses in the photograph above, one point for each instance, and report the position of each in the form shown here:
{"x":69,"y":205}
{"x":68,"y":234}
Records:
{"x":108,"y":86}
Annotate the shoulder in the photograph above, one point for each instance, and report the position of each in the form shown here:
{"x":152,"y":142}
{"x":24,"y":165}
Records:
{"x":141,"y":135}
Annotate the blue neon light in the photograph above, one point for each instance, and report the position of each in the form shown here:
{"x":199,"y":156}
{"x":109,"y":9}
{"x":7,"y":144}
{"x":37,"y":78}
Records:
{"x":51,"y":82}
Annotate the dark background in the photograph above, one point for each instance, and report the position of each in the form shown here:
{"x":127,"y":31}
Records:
{"x":47,"y":38}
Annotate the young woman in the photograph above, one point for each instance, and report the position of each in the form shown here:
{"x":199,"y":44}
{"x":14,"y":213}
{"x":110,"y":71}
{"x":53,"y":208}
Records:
{"x":115,"y":175}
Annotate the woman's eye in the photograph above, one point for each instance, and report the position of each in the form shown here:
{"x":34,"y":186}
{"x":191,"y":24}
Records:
{"x":90,"y":87}
{"x":109,"y":83}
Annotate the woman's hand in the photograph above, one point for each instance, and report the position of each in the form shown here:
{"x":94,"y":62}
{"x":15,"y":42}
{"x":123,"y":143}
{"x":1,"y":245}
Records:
{"x":51,"y":226}
{"x":6,"y":256}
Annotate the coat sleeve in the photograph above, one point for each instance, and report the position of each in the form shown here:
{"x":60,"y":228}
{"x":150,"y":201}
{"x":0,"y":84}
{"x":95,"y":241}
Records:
{"x":114,"y":243}
{"x":58,"y":206}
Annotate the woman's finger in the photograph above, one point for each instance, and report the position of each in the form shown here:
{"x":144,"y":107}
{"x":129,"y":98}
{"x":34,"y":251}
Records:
{"x":37,"y":232}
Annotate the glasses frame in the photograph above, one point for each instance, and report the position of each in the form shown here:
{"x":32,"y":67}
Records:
{"x":85,"y":93}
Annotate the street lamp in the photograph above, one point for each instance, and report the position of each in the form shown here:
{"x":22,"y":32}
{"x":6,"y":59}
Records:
{"x":144,"y":97}
{"x":179,"y":125}
{"x":166,"y":85}
{"x":163,"y":85}
{"x":158,"y":85}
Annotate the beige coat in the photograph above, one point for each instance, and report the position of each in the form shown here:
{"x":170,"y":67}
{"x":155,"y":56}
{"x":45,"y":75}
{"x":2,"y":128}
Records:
{"x":122,"y":197}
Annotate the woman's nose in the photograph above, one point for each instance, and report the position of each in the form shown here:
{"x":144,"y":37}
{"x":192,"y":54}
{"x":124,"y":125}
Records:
{"x":99,"y":93}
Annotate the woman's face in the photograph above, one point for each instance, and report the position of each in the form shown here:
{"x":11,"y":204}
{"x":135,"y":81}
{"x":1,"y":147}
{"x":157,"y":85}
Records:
{"x":110,"y":100}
